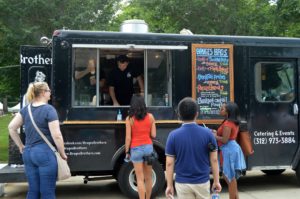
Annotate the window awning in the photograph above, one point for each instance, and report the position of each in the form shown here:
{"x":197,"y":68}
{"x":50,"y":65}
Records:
{"x":131,"y":46}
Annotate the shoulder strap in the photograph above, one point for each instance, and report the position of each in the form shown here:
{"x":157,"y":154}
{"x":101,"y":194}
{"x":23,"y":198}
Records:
{"x":38,"y":130}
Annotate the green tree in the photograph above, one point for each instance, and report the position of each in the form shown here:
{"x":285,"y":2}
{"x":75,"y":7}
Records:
{"x":288,"y":17}
{"x":223,"y":17}
{"x":25,"y":22}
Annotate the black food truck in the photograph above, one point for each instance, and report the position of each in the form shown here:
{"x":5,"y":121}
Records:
{"x":261,"y":74}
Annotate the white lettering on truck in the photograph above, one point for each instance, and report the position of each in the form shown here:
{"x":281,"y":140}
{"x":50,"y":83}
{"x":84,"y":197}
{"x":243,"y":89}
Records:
{"x":274,"y":137}
{"x":37,"y":59}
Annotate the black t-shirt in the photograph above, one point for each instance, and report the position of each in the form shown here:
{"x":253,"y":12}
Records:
{"x":122,"y":81}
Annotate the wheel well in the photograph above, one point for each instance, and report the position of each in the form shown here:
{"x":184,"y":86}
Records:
{"x":118,"y":163}
{"x":161,"y":155}
{"x":118,"y":158}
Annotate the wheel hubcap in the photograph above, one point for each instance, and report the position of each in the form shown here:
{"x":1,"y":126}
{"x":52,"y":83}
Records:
{"x":133,"y":181}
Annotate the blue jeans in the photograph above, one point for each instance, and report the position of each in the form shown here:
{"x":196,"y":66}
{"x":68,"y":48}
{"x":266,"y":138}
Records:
{"x":41,"y":171}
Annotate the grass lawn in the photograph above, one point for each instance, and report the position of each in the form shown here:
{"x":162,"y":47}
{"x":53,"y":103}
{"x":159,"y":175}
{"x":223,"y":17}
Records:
{"x":4,"y":120}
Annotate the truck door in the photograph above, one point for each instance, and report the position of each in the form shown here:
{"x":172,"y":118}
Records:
{"x":273,"y":113}
{"x":36,"y":64}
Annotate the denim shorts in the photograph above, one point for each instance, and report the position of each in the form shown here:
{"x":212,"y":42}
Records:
{"x":137,"y":153}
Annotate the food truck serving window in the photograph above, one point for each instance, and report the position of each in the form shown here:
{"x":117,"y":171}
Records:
{"x":274,"y":81}
{"x":93,"y":66}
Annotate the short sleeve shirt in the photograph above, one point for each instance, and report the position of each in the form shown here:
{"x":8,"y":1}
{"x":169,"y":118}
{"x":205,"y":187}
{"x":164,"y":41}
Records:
{"x":42,"y":115}
{"x":189,"y":145}
{"x":122,"y":81}
{"x":234,"y":130}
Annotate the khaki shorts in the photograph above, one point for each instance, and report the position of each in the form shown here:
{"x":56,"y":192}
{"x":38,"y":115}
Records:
{"x":193,"y":191}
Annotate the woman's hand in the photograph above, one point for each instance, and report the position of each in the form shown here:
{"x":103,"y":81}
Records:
{"x":63,"y":156}
{"x":91,"y":66}
{"x":214,"y":132}
{"x":21,"y":148}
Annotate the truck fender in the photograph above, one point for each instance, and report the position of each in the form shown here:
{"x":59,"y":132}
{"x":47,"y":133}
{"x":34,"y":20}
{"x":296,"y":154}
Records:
{"x":160,"y":150}
{"x":116,"y":159}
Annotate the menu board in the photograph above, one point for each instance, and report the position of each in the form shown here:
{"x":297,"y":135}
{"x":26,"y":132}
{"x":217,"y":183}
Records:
{"x":212,"y":79}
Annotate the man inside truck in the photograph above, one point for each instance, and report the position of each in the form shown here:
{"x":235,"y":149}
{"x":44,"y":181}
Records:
{"x":86,"y":77}
{"x":120,"y":81}
{"x":276,"y":82}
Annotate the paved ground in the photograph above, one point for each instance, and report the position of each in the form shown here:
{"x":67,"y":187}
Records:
{"x":1,"y":185}
{"x":255,"y":185}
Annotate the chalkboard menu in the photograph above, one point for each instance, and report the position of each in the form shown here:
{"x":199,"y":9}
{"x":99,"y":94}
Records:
{"x":212,"y":79}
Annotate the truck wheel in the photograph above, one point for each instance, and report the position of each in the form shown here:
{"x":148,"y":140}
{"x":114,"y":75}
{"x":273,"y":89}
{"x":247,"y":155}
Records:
{"x":273,"y":172}
{"x":127,"y":180}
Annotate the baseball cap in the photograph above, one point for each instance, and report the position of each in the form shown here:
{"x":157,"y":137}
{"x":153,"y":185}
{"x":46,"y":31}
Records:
{"x":122,"y":58}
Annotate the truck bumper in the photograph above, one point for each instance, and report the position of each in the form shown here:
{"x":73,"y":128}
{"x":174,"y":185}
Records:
{"x":12,"y":174}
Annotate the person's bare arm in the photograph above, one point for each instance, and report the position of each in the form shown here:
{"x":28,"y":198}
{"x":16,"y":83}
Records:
{"x":91,"y":68}
{"x":128,"y":135}
{"x":141,"y":84}
{"x":113,"y":96}
{"x":81,"y":74}
{"x":153,"y":127}
{"x":225,"y":136}
{"x":213,"y":157}
{"x":170,"y":162}
{"x":13,"y":127}
{"x":57,"y":137}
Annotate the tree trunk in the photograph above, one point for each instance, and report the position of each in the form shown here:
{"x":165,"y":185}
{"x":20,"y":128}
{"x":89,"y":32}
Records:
{"x":5,"y":109}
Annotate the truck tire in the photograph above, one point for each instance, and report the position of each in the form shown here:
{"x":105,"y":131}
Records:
{"x":273,"y":172}
{"x":127,"y":180}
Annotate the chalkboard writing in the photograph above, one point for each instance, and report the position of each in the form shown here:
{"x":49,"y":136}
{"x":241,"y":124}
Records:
{"x":212,"y":82}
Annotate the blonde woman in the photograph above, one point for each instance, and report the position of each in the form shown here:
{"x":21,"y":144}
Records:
{"x":39,"y":160}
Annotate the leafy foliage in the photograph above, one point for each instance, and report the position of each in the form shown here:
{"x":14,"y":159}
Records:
{"x":222,"y":17}
{"x":288,"y":17}
{"x":4,"y":121}
{"x":10,"y":83}
{"x":25,"y":22}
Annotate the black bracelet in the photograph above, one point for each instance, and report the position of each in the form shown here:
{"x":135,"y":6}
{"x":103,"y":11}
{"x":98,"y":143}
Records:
{"x":127,"y":152}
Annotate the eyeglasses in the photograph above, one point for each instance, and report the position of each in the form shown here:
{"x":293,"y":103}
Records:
{"x":48,"y":90}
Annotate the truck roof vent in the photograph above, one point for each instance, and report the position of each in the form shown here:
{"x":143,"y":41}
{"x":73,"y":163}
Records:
{"x":134,"y":26}
{"x":186,"y":32}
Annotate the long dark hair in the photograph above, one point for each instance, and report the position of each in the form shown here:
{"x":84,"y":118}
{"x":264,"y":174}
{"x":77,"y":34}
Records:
{"x":232,"y":110}
{"x":137,"y":107}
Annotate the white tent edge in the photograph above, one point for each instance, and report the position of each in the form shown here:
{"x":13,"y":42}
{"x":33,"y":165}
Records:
{"x":15,"y":108}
